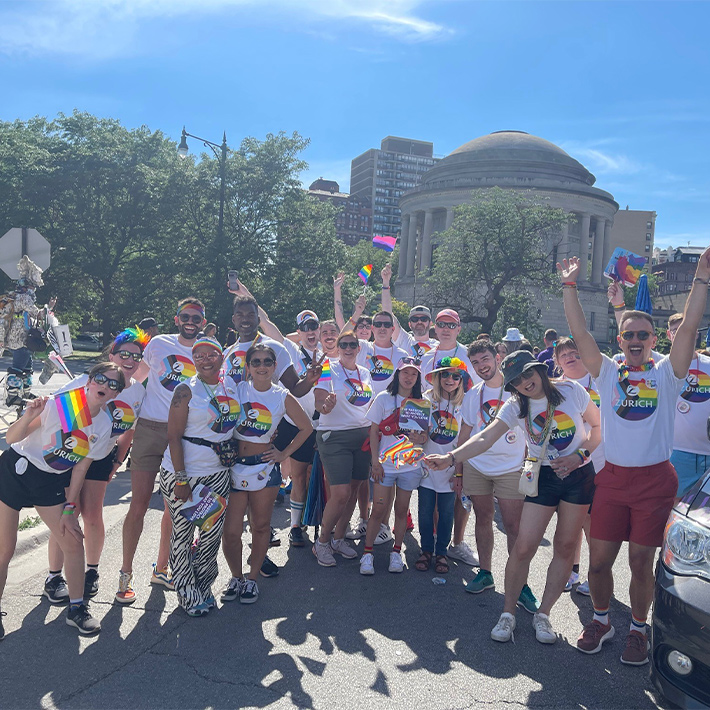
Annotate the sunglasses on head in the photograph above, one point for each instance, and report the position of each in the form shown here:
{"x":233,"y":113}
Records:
{"x":525,"y":376}
{"x":101,"y":379}
{"x":211,"y":355}
{"x":419,"y":319}
{"x":344,"y":345}
{"x":258,"y":362}
{"x":308,"y":325}
{"x":446,"y":324}
{"x":640,"y":334}
{"x":126,"y":354}
{"x":382,"y":324}
{"x":455,"y":376}
{"x":187,"y":318}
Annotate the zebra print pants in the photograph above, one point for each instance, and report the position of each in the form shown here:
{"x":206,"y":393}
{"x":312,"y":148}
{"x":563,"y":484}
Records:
{"x":194,"y":566}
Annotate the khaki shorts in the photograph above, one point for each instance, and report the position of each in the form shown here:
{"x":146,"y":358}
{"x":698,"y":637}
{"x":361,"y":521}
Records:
{"x":504,"y":486}
{"x":149,"y":443}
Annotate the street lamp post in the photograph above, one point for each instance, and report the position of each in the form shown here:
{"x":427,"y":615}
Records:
{"x":222,"y":317}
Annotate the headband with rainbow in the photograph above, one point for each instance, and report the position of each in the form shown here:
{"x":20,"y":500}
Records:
{"x":210,"y":342}
{"x":194,"y":306}
{"x":131,"y":335}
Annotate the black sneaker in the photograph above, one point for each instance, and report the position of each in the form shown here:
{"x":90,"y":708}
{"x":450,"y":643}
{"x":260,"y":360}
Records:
{"x":250,"y":592}
{"x":2,"y":628}
{"x":274,"y":541}
{"x":268,"y":569}
{"x":79,"y":617}
{"x":91,"y":583}
{"x":295,"y":537}
{"x":56,"y":591}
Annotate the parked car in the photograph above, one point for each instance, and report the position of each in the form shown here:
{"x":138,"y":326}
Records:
{"x":87,"y":341}
{"x":680,"y":659}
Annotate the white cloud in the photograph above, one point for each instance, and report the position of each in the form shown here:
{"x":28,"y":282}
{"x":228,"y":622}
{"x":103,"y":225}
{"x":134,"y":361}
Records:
{"x":103,"y":28}
{"x":597,"y":157}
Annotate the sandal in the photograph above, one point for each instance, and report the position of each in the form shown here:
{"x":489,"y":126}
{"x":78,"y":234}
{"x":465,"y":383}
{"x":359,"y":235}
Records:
{"x":424,"y":562}
{"x":441,"y":565}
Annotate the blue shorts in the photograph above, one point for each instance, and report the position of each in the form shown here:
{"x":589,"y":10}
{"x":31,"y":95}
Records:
{"x":406,"y":480}
{"x":689,"y":467}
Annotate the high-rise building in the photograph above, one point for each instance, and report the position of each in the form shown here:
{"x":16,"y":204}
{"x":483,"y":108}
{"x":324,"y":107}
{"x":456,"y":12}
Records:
{"x":384,"y":175}
{"x":354,"y":221}
{"x":635,"y":231}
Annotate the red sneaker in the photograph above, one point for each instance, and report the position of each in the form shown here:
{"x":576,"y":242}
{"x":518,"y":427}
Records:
{"x":410,"y":522}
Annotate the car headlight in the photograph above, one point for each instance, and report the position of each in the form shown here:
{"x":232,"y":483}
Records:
{"x":686,"y":547}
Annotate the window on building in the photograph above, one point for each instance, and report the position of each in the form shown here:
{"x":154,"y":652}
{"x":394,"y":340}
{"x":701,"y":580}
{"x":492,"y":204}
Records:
{"x":648,"y":247}
{"x":591,"y":321}
{"x":648,"y":236}
{"x":649,"y":225}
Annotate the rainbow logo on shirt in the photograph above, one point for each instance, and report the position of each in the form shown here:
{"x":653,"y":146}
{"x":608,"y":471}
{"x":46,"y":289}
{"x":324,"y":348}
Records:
{"x":356,"y":394}
{"x":420,"y":349}
{"x":64,"y":450}
{"x":381,"y":367}
{"x":224,"y":413}
{"x":489,"y":408}
{"x":697,"y":386}
{"x":257,"y":421}
{"x":174,"y":370}
{"x":234,"y":366}
{"x":122,"y":417}
{"x":445,"y":428}
{"x":563,"y":429}
{"x":594,"y":396}
{"x":634,"y":400}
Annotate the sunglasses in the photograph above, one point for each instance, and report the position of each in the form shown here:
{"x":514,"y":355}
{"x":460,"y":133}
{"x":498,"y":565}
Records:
{"x":186,"y":318}
{"x":125,"y":355}
{"x":455,"y":376}
{"x":447,"y":324}
{"x":419,"y":319}
{"x":411,"y":361}
{"x":258,"y":362}
{"x":382,"y":324}
{"x":348,"y":344}
{"x":308,"y":325}
{"x":101,"y":379}
{"x":640,"y":335}
{"x":198,"y":357}
{"x":525,"y":376}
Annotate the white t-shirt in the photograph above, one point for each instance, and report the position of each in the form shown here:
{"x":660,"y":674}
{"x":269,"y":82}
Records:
{"x":381,"y":363}
{"x":382,"y":407}
{"x":693,"y":409}
{"x":444,"y":428}
{"x":262,"y":412}
{"x":353,"y":392}
{"x":591,"y":386}
{"x":170,"y":364}
{"x":54,"y":451}
{"x":235,"y":357}
{"x":301,"y":358}
{"x":213,"y":412}
{"x":568,"y":429}
{"x":436,"y":354}
{"x":507,"y":454}
{"x":638,"y":416}
{"x":414,"y":346}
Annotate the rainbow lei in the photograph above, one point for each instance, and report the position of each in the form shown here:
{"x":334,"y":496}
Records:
{"x":624,"y":369}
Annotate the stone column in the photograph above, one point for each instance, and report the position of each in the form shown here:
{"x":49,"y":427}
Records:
{"x":412,"y":243}
{"x":563,"y":249}
{"x":608,"y":246}
{"x":584,"y":245}
{"x":449,"y":217}
{"x":426,"y":240}
{"x":598,"y":255}
{"x":403,"y":242}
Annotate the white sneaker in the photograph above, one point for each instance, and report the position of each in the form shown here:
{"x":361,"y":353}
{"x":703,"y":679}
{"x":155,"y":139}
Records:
{"x":367,"y":563}
{"x":324,"y":554}
{"x":503,"y":630}
{"x":396,"y":563}
{"x":385,"y":535}
{"x":462,"y":553}
{"x":544,"y":632}
{"x":342,"y":548}
{"x":358,"y":531}
{"x":584,"y":588}
{"x":573,"y":579}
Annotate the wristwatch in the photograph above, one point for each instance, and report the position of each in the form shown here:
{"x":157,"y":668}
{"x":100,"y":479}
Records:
{"x":584,"y":453}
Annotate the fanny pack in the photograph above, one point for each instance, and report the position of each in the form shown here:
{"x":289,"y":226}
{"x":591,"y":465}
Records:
{"x":228,"y":451}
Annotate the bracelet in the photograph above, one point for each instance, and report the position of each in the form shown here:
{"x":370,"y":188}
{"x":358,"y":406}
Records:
{"x":181,"y":483}
{"x":68,"y":511}
{"x":581,"y":455}
{"x":458,"y":475}
{"x":620,"y":307}
{"x":70,"y":505}
{"x":385,"y":288}
{"x":181,"y":477}
{"x":453,"y":458}
{"x":701,"y":281}
{"x":572,"y":284}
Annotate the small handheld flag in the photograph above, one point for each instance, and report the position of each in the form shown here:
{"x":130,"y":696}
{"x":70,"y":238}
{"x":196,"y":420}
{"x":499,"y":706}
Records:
{"x":365,"y":272}
{"x":325,"y":375}
{"x":73,"y":410}
{"x":383,"y":242}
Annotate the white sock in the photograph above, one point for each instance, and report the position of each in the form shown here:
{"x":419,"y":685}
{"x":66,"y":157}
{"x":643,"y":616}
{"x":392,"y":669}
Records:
{"x":296,"y":513}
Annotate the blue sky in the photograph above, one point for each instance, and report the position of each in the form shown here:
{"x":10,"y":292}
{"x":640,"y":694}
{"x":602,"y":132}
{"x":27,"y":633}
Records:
{"x":622,"y":86}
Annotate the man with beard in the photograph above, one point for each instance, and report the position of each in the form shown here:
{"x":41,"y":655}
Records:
{"x":167,"y":362}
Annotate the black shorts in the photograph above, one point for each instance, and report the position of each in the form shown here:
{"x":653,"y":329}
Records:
{"x":286,"y":433}
{"x":101,"y":470}
{"x":577,"y":488}
{"x":34,"y":487}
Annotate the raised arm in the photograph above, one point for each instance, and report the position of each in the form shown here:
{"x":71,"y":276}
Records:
{"x":269,"y":328}
{"x":357,"y":312}
{"x":615,"y":295}
{"x":586,"y":345}
{"x":387,"y":299}
{"x":683,"y":347}
{"x":338,"y":299}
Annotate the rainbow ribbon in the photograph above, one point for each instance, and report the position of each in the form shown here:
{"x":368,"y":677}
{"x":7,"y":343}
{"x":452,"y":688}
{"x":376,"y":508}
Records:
{"x":73,"y":410}
{"x":365,"y":272}
{"x":402,"y":453}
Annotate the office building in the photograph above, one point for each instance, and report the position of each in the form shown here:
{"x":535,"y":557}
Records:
{"x":353,"y":223}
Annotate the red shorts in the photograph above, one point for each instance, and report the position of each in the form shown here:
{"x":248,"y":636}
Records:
{"x":633,"y":503}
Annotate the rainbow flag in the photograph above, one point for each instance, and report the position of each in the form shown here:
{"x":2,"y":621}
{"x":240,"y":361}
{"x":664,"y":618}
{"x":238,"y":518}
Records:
{"x":365,"y":272}
{"x":73,"y":410}
{"x":382,"y":242}
{"x":325,"y":374}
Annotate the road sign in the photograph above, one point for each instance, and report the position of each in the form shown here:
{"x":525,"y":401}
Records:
{"x":18,"y":241}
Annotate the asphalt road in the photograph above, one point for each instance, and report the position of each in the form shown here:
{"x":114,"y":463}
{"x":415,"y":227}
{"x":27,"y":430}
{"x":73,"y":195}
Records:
{"x":317,"y":638}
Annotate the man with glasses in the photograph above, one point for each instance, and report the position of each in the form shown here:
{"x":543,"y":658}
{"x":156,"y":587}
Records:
{"x":167,"y":362}
{"x":636,"y":488}
{"x":382,"y":356}
{"x":447,"y":326}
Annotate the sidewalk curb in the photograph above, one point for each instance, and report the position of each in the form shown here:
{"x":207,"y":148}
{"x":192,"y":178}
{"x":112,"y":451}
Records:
{"x":29,"y":540}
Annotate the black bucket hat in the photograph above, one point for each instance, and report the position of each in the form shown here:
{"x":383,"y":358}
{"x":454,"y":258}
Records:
{"x":515,"y":364}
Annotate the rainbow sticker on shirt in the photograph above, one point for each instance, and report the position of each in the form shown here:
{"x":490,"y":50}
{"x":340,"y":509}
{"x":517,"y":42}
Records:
{"x":64,"y":450}
{"x":358,"y":395}
{"x":697,"y":386}
{"x":122,"y":417}
{"x":563,"y":429}
{"x":634,"y":400}
{"x":175,"y":369}
{"x":445,"y":427}
{"x":488,"y":411}
{"x":257,"y":420}
{"x":224,"y":413}
{"x":381,"y":367}
{"x":234,"y":366}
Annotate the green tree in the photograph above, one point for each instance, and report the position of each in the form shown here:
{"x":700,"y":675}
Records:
{"x":501,"y":245}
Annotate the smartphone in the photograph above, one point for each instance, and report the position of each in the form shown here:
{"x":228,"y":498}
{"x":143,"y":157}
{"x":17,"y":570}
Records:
{"x":232,"y":280}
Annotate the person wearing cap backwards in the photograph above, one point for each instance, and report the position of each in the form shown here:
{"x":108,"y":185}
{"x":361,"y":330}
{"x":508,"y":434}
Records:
{"x":417,"y":342}
{"x":512,"y":339}
{"x":561,"y":425}
{"x":150,"y":326}
{"x":637,"y":486}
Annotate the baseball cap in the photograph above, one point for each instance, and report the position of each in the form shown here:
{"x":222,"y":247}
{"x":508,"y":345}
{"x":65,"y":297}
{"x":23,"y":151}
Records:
{"x":420,"y":310}
{"x":147,"y":323}
{"x":305,"y":316}
{"x":515,"y":364}
{"x":450,"y":314}
{"x":409,"y":361}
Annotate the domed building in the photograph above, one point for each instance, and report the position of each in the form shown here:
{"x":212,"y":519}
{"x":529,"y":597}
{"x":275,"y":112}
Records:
{"x":512,"y":160}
